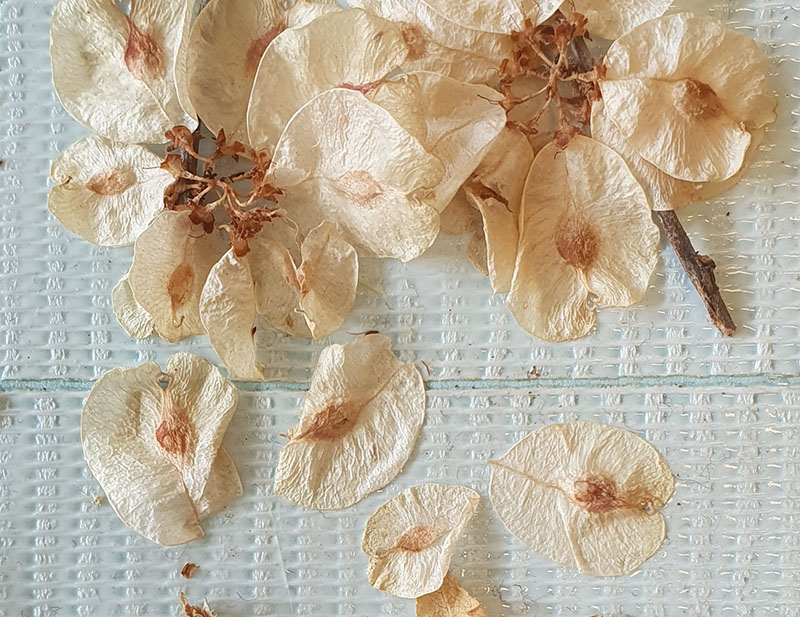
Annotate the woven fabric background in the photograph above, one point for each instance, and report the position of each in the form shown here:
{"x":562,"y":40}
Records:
{"x":723,"y":411}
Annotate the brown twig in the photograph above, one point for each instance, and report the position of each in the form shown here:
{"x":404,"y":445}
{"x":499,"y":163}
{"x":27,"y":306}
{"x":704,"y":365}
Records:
{"x":700,"y":269}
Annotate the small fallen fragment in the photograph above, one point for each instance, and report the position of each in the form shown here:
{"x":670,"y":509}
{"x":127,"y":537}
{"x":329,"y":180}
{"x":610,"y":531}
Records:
{"x":586,"y":495}
{"x":450,"y":600}
{"x":156,"y":449}
{"x":196,"y":611}
{"x":411,"y":538}
{"x":360,"y":421}
{"x":189,"y":569}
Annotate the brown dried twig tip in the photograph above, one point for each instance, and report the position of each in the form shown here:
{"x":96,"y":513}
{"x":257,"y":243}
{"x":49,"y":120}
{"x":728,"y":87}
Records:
{"x":189,"y":569}
{"x":700,"y":269}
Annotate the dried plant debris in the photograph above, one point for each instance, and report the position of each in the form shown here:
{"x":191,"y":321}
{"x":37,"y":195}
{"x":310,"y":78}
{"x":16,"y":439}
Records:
{"x":195,"y":611}
{"x":343,"y":49}
{"x":586,"y":495}
{"x":685,"y":92}
{"x":115,"y":72}
{"x":360,"y":421}
{"x":410,"y":539}
{"x":156,"y":450}
{"x":227,"y":42}
{"x":450,"y":600}
{"x":586,"y":230}
{"x":188,"y":570}
{"x":106,"y":192}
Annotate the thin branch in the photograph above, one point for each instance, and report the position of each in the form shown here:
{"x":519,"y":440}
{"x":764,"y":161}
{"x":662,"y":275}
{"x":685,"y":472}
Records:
{"x":700,"y":269}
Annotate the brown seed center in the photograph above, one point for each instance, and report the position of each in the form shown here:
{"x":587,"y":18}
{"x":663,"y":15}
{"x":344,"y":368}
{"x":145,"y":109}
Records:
{"x":143,"y":55}
{"x":112,"y":181}
{"x":331,"y":422}
{"x":258,"y":47}
{"x":414,"y":38}
{"x":597,"y":494}
{"x":577,"y":241}
{"x":696,"y":99}
{"x":417,"y":539}
{"x":175,"y":434}
{"x":361,"y":187}
{"x":180,"y":285}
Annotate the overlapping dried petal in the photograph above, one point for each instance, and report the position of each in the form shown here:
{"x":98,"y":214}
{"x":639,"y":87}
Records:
{"x":450,"y":600}
{"x":171,"y":261}
{"x":504,"y":16}
{"x":586,"y":228}
{"x":410,"y":539}
{"x":115,"y":73}
{"x":136,"y":321}
{"x":684,"y":92}
{"x":585,"y":495}
{"x":107,"y":193}
{"x":345,"y":160}
{"x":360,"y":421}
{"x":611,"y":19}
{"x":156,"y":451}
{"x":344,"y":49}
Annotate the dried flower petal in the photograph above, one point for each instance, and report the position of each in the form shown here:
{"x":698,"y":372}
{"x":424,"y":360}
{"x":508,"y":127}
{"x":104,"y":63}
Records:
{"x":684,"y":91}
{"x":411,"y":538}
{"x":439,"y":45}
{"x":115,"y":73}
{"x":224,"y":50}
{"x":586,"y":228}
{"x":312,"y":299}
{"x":228,"y":310}
{"x":585,"y":495}
{"x":611,"y":19}
{"x":154,"y":450}
{"x":360,"y":421}
{"x":348,"y":49}
{"x":450,"y":600}
{"x":136,"y":321}
{"x":107,"y":192}
{"x":502,"y":17}
{"x":373,"y":182}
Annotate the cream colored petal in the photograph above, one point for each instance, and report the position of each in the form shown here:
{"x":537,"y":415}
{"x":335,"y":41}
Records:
{"x":611,"y":19}
{"x":614,"y":208}
{"x":223,"y":486}
{"x":225,"y":47}
{"x":403,"y":99}
{"x":171,"y":261}
{"x":495,"y":189}
{"x":115,"y":79}
{"x":712,"y":190}
{"x":228,"y":311}
{"x":676,"y":126}
{"x":462,"y":122}
{"x":182,"y":60}
{"x":207,"y":401}
{"x":460,"y":216}
{"x":107,"y":193}
{"x":129,"y":313}
{"x":141,"y":484}
{"x":450,"y":600}
{"x":547,"y":296}
{"x":304,"y":12}
{"x":341,"y":49}
{"x":439,"y":45}
{"x":681,"y":46}
{"x":502,"y":16}
{"x":478,"y":253}
{"x":347,"y":161}
{"x":411,"y":538}
{"x":585,"y":495}
{"x":360,"y":422}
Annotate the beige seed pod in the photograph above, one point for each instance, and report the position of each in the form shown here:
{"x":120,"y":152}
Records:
{"x":411,"y":538}
{"x":360,"y":421}
{"x":685,"y":92}
{"x":171,"y":261}
{"x":611,"y":19}
{"x":585,"y":229}
{"x":450,"y":600}
{"x":156,"y":451}
{"x":115,"y":73}
{"x":586,"y":495}
{"x":348,"y":49}
{"x":373,"y":183}
{"x":107,"y":193}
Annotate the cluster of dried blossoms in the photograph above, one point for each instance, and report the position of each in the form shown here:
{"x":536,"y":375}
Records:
{"x":340,"y":133}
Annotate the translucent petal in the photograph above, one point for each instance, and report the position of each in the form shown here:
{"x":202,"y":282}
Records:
{"x":585,"y":495}
{"x":107,"y":193}
{"x":115,"y":74}
{"x":345,"y":160}
{"x":360,"y":422}
{"x":450,"y":600}
{"x":502,"y":16}
{"x":350,"y":49}
{"x":411,"y":538}
{"x":136,"y":321}
{"x":611,"y":19}
{"x":228,"y":311}
{"x":171,"y":261}
{"x":223,"y":486}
